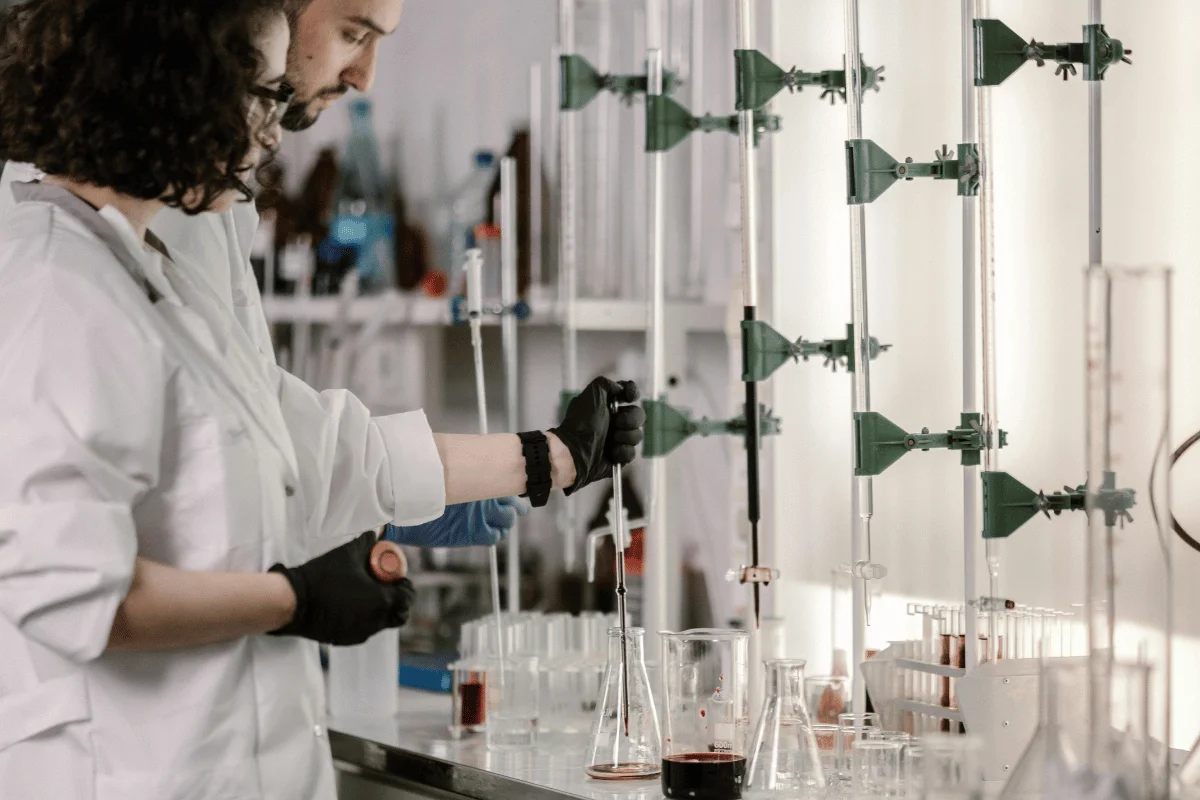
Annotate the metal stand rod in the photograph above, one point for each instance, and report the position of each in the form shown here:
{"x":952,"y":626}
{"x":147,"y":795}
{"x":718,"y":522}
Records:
{"x":508,"y":333}
{"x":568,"y":190}
{"x":749,"y":178}
{"x":656,"y":581}
{"x":862,"y":492}
{"x":536,"y":162}
{"x":695,"y":271}
{"x":970,"y":402}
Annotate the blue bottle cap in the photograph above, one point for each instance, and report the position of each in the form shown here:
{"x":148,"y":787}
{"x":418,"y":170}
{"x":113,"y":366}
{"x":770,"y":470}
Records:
{"x":485,"y":159}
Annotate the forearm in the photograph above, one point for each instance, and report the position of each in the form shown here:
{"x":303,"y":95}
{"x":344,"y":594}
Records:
{"x":168,"y":608}
{"x":486,"y":467}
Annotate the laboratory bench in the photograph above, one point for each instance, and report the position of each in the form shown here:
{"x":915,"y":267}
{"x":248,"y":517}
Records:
{"x":412,"y":756}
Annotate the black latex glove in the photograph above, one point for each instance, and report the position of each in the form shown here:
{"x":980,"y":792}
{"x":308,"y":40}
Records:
{"x":339,"y":601}
{"x":597,"y":437}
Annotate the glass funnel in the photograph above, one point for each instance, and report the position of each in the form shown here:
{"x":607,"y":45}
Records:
{"x":619,"y":751}
{"x":706,"y":715}
{"x":784,"y":754}
{"x":1053,"y":752}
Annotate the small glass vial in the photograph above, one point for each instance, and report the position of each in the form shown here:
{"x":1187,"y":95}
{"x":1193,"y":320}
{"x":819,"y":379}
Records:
{"x":469,"y":682}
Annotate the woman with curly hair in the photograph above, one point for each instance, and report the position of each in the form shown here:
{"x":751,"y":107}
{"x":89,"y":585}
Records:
{"x":147,"y":478}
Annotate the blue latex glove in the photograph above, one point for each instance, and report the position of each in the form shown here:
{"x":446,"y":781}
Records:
{"x":485,"y":522}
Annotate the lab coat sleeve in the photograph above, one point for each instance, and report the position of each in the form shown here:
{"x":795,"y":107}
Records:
{"x":82,"y":395}
{"x":359,"y":472}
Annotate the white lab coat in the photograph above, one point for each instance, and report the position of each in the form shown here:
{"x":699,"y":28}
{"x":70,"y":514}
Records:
{"x":159,"y":429}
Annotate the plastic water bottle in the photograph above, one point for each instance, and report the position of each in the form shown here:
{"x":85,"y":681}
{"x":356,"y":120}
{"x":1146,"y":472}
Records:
{"x":469,"y":206}
{"x":363,"y":217}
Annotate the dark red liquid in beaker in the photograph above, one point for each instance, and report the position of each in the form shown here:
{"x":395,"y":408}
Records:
{"x":474,"y":704}
{"x":703,"y":776}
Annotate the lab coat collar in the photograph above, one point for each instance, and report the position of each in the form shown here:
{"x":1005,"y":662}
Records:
{"x":116,"y":232}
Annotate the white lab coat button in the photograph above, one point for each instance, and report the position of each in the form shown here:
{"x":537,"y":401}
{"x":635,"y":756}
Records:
{"x":289,"y":490}
{"x":318,"y":731}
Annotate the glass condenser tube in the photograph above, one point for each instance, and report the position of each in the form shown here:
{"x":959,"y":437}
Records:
{"x":1129,"y":564}
{"x":508,"y":333}
{"x":748,"y":163}
{"x":987,"y":306}
{"x":655,"y":584}
{"x":474,"y":269}
{"x":862,"y":488}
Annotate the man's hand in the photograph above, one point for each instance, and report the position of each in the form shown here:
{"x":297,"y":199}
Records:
{"x":339,"y":601}
{"x":597,"y":436}
{"x":485,"y":522}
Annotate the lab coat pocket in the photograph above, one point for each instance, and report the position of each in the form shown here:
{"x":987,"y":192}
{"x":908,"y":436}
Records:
{"x":32,"y":712}
{"x":206,"y":514}
{"x":216,"y":781}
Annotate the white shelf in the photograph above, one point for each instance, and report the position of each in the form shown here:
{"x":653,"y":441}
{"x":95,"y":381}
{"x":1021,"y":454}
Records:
{"x":929,"y":710}
{"x":396,"y":309}
{"x":932,"y":669}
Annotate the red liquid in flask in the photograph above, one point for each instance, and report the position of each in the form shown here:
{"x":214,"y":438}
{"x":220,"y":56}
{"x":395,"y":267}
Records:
{"x":474,"y":704}
{"x":703,"y":776}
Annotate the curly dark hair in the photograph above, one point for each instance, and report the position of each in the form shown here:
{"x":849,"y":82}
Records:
{"x":149,"y":98}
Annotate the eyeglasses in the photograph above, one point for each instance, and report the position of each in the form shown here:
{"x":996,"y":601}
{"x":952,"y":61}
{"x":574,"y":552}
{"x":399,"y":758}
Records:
{"x":277,"y":101}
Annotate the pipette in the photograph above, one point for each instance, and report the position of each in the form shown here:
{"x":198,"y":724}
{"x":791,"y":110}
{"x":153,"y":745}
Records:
{"x":474,"y":270}
{"x":619,"y":539}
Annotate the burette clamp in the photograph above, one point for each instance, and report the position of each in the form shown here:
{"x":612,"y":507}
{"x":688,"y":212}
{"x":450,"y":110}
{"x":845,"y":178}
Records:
{"x":580,"y":83}
{"x":765,"y":350}
{"x":667,"y":427}
{"x":460,"y":314}
{"x":759,"y":80}
{"x":879,"y":442}
{"x":759,"y":575}
{"x":1008,"y":504}
{"x":668,"y":123}
{"x":871,"y":171}
{"x":993,"y":605}
{"x":1000,"y":51}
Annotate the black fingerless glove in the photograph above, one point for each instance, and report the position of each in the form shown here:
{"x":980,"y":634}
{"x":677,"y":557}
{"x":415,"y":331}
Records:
{"x":339,"y":601}
{"x":598,"y":437}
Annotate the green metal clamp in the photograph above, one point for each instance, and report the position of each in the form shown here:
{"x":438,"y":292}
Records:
{"x":999,"y":52}
{"x":667,"y":427}
{"x":759,"y":79}
{"x":1008,"y":504}
{"x":668,"y":123}
{"x":580,"y":83}
{"x":765,"y":350}
{"x":870,"y":171}
{"x":879,"y":442}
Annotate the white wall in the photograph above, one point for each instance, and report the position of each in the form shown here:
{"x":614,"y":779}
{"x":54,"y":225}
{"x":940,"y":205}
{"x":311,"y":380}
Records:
{"x":913,"y":241}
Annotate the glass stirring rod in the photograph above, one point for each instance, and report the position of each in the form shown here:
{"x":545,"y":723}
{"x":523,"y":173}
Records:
{"x":618,"y":526}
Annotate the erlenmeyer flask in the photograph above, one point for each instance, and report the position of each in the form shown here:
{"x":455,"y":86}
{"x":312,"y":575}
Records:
{"x":784,"y":754}
{"x":618,"y":752}
{"x":1053,"y":753}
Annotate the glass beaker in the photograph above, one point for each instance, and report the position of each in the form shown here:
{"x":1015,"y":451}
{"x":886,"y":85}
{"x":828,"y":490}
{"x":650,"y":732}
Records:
{"x":784,"y":754}
{"x":828,"y":697}
{"x":512,"y":702}
{"x":875,"y":769}
{"x":851,"y":728}
{"x":620,"y":752}
{"x":1052,"y":753}
{"x":912,"y":769}
{"x":953,"y":767}
{"x":706,"y":714}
